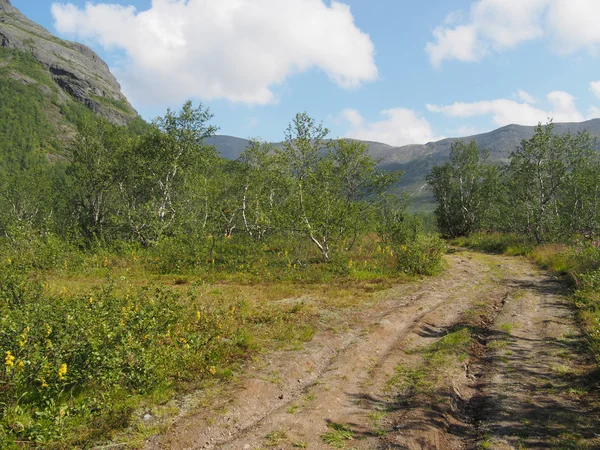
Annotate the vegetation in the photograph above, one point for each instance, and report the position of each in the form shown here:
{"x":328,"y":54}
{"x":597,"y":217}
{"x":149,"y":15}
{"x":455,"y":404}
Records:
{"x":548,"y":192}
{"x":544,"y":203}
{"x":86,"y":340}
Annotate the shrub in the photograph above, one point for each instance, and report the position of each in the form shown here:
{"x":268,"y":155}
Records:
{"x":421,"y":256}
{"x":67,"y":359}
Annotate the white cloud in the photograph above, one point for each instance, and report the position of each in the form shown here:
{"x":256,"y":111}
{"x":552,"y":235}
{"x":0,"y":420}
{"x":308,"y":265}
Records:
{"x":593,"y":113}
{"x":400,"y":126}
{"x":499,"y":25}
{"x":505,"y":112}
{"x":563,"y":107}
{"x":458,"y":43}
{"x":526,"y":97}
{"x":574,"y":24}
{"x":595,"y":88}
{"x":493,"y":25}
{"x":230,"y":49}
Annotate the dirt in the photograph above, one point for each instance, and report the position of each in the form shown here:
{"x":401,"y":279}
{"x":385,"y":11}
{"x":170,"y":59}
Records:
{"x":393,"y":378}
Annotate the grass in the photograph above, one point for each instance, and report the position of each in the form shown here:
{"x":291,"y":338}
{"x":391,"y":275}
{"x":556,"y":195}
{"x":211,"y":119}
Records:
{"x":338,"y":435}
{"x":435,"y":360}
{"x":276,"y":437}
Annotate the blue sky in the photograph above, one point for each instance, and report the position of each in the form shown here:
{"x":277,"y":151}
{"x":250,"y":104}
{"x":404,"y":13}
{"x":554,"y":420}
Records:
{"x":393,"y":71}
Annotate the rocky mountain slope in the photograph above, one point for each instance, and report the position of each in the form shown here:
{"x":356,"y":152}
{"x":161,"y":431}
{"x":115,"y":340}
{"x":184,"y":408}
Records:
{"x":74,"y":72}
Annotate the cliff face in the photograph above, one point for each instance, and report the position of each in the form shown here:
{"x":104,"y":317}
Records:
{"x":75,"y":68}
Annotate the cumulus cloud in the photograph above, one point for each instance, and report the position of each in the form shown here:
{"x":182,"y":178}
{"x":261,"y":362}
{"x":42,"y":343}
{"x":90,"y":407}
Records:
{"x":493,"y":25}
{"x":573,"y":25}
{"x":526,"y":97}
{"x":228,"y":49}
{"x":499,"y":25}
{"x":400,"y":126}
{"x":505,"y":112}
{"x":595,"y":88}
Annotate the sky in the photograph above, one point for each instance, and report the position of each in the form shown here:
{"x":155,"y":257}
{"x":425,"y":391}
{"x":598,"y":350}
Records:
{"x":393,"y":71}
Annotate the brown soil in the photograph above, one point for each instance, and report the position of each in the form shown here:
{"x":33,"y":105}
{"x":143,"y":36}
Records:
{"x":388,"y":379}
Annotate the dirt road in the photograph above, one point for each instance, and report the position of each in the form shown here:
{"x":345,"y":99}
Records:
{"x":485,"y":356}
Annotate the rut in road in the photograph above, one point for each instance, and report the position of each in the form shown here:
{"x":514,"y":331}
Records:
{"x":481,"y":356}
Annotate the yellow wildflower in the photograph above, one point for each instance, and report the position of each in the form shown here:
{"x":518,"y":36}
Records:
{"x":198,"y":315}
{"x":62,"y":371}
{"x":20,"y":365}
{"x":212,"y":370}
{"x":9,"y":360}
{"x":44,"y":384}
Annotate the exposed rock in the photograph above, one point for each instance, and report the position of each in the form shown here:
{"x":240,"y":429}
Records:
{"x":76,"y":69}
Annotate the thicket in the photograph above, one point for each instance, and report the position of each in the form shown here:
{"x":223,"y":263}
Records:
{"x":548,"y":192}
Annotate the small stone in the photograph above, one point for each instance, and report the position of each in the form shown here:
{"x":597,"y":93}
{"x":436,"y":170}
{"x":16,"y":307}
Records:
{"x":147,"y":417}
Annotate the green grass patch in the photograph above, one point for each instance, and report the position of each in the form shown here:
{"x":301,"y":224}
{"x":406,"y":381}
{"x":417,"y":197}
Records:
{"x":338,"y":435}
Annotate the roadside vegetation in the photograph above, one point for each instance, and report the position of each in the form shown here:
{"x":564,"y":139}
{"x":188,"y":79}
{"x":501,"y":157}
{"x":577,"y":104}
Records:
{"x":136,"y":264}
{"x":545,"y":204}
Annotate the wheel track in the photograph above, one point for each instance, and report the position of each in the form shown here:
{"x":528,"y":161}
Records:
{"x":245,"y":424}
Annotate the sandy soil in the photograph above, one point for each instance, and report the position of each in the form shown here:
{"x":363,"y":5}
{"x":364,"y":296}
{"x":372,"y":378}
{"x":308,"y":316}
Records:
{"x":523,"y":381}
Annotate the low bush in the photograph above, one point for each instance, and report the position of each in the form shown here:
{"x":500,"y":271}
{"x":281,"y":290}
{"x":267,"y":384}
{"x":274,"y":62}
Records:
{"x":509,"y":244}
{"x":422,"y":255}
{"x":66,"y":359}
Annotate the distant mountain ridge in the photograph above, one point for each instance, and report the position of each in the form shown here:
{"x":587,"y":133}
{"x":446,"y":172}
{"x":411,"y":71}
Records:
{"x":417,"y":160}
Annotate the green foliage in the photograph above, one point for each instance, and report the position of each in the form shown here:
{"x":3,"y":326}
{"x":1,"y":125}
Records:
{"x":118,"y":104}
{"x":64,"y":357}
{"x":156,"y":199}
{"x":495,"y":242}
{"x":422,"y":255}
{"x":552,"y":181}
{"x":463,"y":189}
{"x":548,"y":192}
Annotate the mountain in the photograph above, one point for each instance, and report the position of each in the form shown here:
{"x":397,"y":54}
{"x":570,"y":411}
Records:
{"x":65,"y":72}
{"x":417,"y":160}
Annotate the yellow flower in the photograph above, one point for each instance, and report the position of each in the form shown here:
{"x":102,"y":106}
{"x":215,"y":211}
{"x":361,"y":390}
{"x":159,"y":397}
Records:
{"x":198,"y":315}
{"x":9,"y":260}
{"x":20,"y":365}
{"x":9,"y":360}
{"x":44,"y":384}
{"x":62,"y":371}
{"x":212,"y":370}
